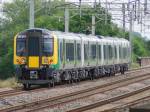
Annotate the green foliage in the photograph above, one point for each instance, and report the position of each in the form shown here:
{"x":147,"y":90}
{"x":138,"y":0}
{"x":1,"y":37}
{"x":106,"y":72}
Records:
{"x":140,"y":48}
{"x":50,"y":15}
{"x":6,"y":66}
{"x":49,"y":22}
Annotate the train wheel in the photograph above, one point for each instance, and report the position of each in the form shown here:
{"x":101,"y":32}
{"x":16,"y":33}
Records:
{"x":51,"y":84}
{"x":123,"y":70}
{"x":91,"y":75}
{"x":69,"y":81}
{"x":26,"y":86}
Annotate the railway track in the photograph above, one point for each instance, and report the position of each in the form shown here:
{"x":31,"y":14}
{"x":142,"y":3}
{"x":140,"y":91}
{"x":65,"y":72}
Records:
{"x":10,"y":92}
{"x":85,"y":94}
{"x":118,"y":99}
{"x":17,"y":91}
{"x":124,"y":103}
{"x":52,"y":102}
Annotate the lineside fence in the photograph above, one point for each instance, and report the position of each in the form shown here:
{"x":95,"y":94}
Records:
{"x":143,"y":61}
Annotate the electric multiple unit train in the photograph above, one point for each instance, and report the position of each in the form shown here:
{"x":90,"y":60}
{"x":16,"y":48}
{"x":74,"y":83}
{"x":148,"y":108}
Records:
{"x":48,"y":57}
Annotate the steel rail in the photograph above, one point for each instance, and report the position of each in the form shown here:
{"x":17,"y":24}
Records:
{"x":109,"y":100}
{"x":60,"y":99}
{"x":18,"y":91}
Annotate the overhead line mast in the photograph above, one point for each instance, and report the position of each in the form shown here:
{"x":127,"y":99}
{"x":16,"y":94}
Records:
{"x":31,"y":16}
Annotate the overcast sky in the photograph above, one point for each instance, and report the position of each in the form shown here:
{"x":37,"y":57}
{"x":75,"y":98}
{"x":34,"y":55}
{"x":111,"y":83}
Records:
{"x":145,"y":31}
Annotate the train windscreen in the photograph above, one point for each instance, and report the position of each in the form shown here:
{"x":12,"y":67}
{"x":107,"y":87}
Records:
{"x":35,"y":44}
{"x":47,"y":46}
{"x":21,"y":47}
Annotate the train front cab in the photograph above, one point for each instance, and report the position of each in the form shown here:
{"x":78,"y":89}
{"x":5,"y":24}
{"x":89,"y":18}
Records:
{"x":35,"y":56}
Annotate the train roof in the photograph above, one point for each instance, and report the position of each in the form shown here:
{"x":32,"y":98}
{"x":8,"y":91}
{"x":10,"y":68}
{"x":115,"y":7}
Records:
{"x":78,"y":36}
{"x":88,"y":37}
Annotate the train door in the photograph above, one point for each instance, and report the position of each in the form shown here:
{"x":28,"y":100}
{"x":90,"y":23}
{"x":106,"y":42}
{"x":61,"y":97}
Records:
{"x":34,"y":49}
{"x":117,"y":53}
{"x":82,"y":52}
{"x":106,"y":53}
{"x":61,"y":53}
{"x":75,"y":53}
{"x":113,"y":52}
{"x":100,"y":53}
{"x":120,"y":53}
{"x":97,"y":53}
{"x":86,"y":53}
{"x":78,"y":54}
{"x":92,"y":58}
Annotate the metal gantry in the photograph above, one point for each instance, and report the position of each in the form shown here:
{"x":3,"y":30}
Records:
{"x":128,"y":13}
{"x":118,"y":10}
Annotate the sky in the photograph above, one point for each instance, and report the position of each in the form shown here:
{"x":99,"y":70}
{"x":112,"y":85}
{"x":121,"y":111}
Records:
{"x":117,"y":16}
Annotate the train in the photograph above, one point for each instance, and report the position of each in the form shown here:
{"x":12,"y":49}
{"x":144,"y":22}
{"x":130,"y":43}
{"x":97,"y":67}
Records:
{"x":48,"y":57}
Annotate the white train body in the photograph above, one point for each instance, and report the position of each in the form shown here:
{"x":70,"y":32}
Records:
{"x":53,"y":56}
{"x":95,"y":51}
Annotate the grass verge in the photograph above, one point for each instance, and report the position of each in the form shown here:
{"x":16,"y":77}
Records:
{"x":10,"y":82}
{"x":135,"y":65}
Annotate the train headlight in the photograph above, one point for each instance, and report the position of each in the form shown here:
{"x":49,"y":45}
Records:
{"x":41,"y":66}
{"x":17,"y":60}
{"x":51,"y":61}
{"x":23,"y":60}
{"x":45,"y":60}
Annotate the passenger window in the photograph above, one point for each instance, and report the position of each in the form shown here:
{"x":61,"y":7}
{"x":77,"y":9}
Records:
{"x":124,"y":52}
{"x":120,"y":54}
{"x":99,"y":51}
{"x":79,"y":51}
{"x":116,"y":52}
{"x":105,"y":52}
{"x":69,"y":52}
{"x":93,"y":51}
{"x":110,"y":52}
{"x":86,"y":51}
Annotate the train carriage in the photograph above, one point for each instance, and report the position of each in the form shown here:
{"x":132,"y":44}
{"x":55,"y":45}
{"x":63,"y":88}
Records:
{"x":46,"y":57}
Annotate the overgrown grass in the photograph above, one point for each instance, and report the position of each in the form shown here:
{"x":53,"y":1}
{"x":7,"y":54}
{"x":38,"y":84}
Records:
{"x":10,"y":82}
{"x":135,"y":65}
